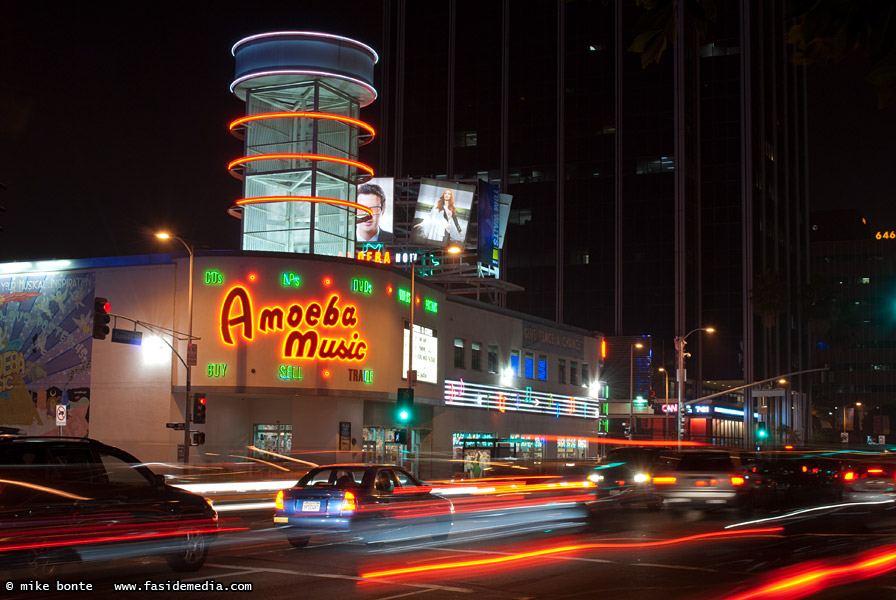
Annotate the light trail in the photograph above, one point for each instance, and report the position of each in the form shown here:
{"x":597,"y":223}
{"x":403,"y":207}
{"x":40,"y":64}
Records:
{"x":565,"y":549}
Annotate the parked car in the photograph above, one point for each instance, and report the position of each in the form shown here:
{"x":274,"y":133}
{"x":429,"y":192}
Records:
{"x":364,"y":501}
{"x":69,"y":499}
{"x":701,"y":478}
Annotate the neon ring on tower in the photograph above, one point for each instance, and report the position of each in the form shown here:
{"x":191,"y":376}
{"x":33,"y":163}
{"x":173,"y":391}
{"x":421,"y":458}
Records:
{"x":263,"y":199}
{"x":320,"y":157}
{"x":363,"y":139}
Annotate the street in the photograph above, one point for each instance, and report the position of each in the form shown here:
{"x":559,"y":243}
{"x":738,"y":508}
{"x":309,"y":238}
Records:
{"x":623,"y":554}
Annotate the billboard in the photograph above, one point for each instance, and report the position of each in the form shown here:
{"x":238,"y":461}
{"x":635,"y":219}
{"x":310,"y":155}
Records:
{"x":378,"y":195}
{"x":489,"y":224}
{"x":442,"y":213}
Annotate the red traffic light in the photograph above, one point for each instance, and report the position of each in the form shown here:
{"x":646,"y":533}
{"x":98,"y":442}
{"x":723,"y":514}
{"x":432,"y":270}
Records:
{"x":107,"y":307}
{"x":201,"y":400}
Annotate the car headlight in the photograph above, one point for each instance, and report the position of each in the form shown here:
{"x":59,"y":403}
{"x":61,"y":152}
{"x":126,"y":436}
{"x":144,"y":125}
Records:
{"x":641,"y":478}
{"x":595,"y":477}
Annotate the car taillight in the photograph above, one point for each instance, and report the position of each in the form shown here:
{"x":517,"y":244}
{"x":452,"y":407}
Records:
{"x":349,"y":502}
{"x":875,"y":470}
{"x":737,"y":481}
{"x":278,"y":502}
{"x":849,"y":476}
{"x":664,"y":480}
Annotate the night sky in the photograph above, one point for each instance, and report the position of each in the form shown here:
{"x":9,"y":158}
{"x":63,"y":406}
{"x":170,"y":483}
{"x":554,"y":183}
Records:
{"x":114,"y":124}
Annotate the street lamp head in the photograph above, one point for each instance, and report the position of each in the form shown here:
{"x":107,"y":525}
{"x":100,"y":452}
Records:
{"x":453,"y":249}
{"x":163,"y":235}
{"x":639,"y":345}
{"x":662,"y":369}
{"x":709,"y":330}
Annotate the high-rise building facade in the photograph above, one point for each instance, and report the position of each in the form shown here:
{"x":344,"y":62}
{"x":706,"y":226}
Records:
{"x":647,"y":200}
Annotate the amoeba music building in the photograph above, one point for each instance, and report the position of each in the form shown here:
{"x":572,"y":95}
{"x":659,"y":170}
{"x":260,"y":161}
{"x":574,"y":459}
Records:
{"x":297,"y":357}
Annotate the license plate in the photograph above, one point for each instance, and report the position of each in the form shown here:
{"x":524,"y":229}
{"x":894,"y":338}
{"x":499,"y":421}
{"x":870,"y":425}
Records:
{"x":311,"y":506}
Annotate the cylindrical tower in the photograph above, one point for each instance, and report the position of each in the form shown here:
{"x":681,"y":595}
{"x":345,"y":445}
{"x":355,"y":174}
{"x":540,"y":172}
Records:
{"x":303,"y":93}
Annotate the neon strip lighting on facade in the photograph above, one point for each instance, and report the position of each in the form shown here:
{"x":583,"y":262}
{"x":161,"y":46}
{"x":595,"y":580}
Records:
{"x":341,"y":38}
{"x":358,"y":82}
{"x":263,"y":199}
{"x":321,"y":157}
{"x":502,"y":399}
{"x":309,"y":115}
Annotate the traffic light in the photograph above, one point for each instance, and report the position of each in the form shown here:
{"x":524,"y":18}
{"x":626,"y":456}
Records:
{"x":199,"y":403}
{"x":198,"y":438}
{"x":761,"y":431}
{"x":101,"y":308}
{"x":404,"y":406}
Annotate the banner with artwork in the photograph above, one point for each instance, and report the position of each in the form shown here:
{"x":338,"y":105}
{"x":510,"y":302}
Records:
{"x":46,"y":339}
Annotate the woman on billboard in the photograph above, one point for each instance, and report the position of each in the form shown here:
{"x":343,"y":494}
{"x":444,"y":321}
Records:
{"x":441,"y":217}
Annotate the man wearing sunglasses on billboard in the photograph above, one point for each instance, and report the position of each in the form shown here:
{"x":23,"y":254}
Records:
{"x":367,"y":226}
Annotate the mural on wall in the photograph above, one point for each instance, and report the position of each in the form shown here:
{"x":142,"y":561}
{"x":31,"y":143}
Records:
{"x":46,"y":338}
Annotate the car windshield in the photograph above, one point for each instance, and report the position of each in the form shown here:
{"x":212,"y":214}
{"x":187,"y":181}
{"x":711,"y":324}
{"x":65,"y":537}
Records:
{"x":333,"y":477}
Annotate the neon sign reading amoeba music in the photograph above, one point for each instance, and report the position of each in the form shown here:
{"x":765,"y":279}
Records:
{"x":303,"y":340}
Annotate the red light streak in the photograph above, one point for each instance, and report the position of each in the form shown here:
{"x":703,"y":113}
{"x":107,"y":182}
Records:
{"x":566,"y":549}
{"x":293,"y":156}
{"x":263,"y":199}
{"x":308,"y":115}
{"x":806,"y":580}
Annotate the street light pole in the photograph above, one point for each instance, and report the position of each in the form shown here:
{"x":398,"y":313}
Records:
{"x":680,"y":342}
{"x":631,"y":388}
{"x":187,"y":416}
{"x":665,"y":373}
{"x":451,"y":250}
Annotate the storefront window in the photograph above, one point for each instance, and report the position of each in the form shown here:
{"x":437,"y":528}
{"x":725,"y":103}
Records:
{"x":573,"y":373}
{"x":586,"y":375}
{"x":529,"y":365}
{"x":275,"y":439}
{"x":542,"y":367}
{"x":572,"y":448}
{"x":561,"y":371}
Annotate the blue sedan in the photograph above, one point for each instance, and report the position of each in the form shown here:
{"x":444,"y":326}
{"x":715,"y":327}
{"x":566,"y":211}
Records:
{"x":369,"y":502}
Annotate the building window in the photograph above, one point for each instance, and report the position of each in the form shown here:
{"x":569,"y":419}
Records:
{"x":272,"y":438}
{"x":476,"y":356}
{"x":586,"y":375}
{"x":542,"y":367}
{"x":574,"y":373}
{"x":492,"y":359}
{"x":515,"y":362}
{"x":459,"y":353}
{"x":561,"y":371}
{"x":529,"y":365}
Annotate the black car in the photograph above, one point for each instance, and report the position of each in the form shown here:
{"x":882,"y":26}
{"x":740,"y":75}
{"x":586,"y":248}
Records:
{"x":69,"y":499}
{"x":624,"y":476}
{"x":361,"y":500}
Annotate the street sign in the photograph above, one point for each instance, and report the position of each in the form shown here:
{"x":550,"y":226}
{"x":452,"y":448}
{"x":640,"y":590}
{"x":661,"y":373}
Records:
{"x":175,"y":426}
{"x":126,"y":336}
{"x":61,"y":415}
{"x":844,"y":437}
{"x":191,"y":354}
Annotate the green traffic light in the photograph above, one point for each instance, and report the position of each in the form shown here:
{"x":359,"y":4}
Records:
{"x":403,"y":415}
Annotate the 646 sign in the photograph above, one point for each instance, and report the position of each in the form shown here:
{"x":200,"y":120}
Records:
{"x":885,"y":235}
